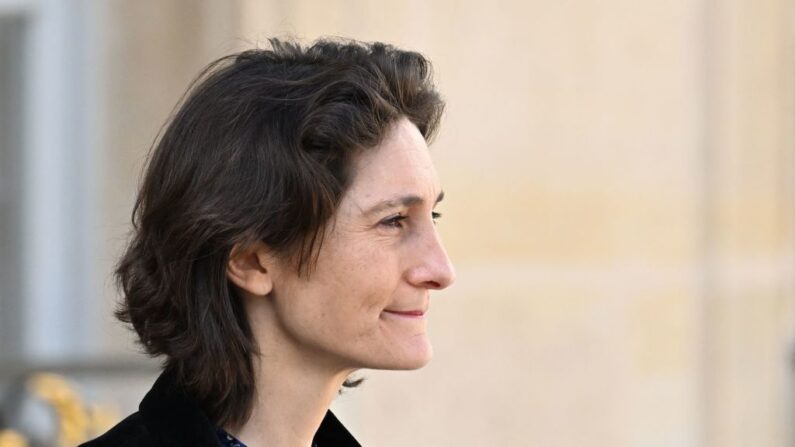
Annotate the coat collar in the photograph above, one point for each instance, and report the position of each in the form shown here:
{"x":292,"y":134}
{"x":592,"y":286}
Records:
{"x":174,"y":419}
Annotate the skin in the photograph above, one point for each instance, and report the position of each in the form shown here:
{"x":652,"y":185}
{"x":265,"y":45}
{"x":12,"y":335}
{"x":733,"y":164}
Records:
{"x":315,"y":331}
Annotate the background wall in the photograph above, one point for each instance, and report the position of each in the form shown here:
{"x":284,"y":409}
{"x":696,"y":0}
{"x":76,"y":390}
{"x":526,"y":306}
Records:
{"x":619,"y":184}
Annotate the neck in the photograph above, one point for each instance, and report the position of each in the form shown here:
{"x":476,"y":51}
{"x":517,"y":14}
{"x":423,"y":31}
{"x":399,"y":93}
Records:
{"x":293,"y":391}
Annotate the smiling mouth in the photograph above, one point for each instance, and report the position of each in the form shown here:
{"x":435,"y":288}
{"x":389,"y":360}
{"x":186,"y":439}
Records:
{"x":408,"y":314}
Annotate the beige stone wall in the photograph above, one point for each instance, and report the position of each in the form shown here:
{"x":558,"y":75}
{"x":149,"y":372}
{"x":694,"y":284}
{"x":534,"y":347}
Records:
{"x":748,"y":174}
{"x":619,"y":180}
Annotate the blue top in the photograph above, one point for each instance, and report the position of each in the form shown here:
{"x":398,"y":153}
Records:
{"x":226,"y":439}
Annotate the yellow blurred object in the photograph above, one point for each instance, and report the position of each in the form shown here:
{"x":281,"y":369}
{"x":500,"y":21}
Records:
{"x":73,"y":420}
{"x":76,"y":421}
{"x":10,"y":438}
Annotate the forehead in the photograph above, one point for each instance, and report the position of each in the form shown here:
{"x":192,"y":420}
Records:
{"x":401,"y":164}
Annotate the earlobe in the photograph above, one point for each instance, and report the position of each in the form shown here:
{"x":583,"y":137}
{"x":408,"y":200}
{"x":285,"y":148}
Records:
{"x":248,"y":268}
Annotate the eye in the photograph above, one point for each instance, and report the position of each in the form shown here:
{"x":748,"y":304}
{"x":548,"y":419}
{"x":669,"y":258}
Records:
{"x":395,"y":221}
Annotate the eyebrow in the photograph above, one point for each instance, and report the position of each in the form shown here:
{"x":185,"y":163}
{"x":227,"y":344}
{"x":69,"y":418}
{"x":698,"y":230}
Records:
{"x":406,"y":201}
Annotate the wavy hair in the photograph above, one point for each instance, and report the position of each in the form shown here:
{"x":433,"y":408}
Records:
{"x":260,"y":149}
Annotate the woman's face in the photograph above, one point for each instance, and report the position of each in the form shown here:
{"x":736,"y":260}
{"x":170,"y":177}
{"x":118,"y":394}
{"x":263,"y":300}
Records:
{"x":380,"y":258}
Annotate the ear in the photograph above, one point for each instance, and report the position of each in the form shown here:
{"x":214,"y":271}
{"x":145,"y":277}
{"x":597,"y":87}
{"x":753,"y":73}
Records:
{"x":250,"y":268}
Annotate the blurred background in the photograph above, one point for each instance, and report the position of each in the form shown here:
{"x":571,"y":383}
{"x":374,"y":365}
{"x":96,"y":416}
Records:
{"x":620,"y":182}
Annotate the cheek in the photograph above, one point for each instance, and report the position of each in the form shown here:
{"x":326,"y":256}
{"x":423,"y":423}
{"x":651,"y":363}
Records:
{"x":364,"y":285}
{"x":353,"y":282}
{"x":377,"y":277}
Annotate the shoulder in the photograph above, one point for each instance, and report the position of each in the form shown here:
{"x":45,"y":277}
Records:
{"x":167,"y":416}
{"x":130,"y":432}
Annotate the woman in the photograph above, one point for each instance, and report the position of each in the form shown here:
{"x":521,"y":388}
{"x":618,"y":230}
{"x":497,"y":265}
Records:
{"x":284,"y":237}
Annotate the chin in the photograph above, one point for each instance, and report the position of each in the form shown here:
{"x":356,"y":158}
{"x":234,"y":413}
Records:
{"x":410,"y":358}
{"x":416,"y":363}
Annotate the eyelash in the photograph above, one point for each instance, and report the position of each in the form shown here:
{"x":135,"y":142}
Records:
{"x":395,"y":220}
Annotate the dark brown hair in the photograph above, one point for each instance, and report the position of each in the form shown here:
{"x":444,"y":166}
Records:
{"x":259,"y":150}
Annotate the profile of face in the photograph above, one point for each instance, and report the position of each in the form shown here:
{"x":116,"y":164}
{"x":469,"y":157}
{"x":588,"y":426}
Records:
{"x":365,"y":303}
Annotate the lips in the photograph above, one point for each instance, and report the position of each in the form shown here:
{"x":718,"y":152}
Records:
{"x":407,"y":313}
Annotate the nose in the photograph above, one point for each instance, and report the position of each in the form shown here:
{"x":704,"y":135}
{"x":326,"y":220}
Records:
{"x":432,"y":267}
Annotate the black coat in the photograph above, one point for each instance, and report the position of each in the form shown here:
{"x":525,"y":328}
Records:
{"x":167,"y":417}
